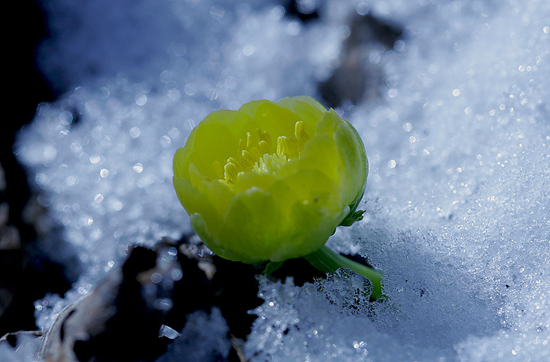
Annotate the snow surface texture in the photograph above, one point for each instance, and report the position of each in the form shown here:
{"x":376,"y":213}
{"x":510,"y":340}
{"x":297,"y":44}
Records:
{"x":25,"y":351}
{"x":203,"y":339}
{"x":458,"y":192}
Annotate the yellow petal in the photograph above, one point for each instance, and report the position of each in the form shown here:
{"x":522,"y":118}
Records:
{"x":309,"y":110}
{"x":308,"y":186}
{"x":252,"y":179}
{"x":254,"y":225}
{"x":327,"y":124}
{"x":305,"y":99}
{"x":313,"y":225}
{"x":354,"y":161}
{"x":217,"y":139}
{"x":217,"y":245}
{"x":320,"y":153}
{"x":273,"y":118}
{"x":181,"y":166}
{"x":218,"y":194}
{"x":195,"y":202}
{"x":312,"y":209}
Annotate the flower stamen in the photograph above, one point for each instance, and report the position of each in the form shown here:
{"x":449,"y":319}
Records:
{"x":265,"y":137}
{"x":256,"y":154}
{"x":249,"y":158}
{"x":264,"y":147}
{"x":238,"y":164}
{"x":230,"y":172}
{"x":270,"y":163}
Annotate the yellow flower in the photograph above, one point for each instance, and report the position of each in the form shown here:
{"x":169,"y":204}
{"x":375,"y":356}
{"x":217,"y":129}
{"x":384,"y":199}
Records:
{"x":271,"y":181}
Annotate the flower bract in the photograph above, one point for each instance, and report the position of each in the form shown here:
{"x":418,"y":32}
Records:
{"x":270,"y":181}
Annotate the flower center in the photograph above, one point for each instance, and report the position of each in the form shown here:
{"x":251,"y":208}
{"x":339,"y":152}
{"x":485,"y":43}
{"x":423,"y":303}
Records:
{"x":258,"y":154}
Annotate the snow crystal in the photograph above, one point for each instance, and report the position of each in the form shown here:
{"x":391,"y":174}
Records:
{"x":326,"y":321}
{"x":24,"y":351}
{"x":458,"y":191}
{"x":203,"y":339}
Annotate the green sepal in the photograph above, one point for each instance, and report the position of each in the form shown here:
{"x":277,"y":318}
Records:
{"x":352,"y":217}
{"x":272,"y":266}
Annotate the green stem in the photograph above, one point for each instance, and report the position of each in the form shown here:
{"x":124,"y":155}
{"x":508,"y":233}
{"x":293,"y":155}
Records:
{"x":328,"y":261}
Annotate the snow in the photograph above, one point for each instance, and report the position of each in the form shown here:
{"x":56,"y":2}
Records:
{"x":204,"y":338}
{"x":25,"y":351}
{"x":459,"y":147}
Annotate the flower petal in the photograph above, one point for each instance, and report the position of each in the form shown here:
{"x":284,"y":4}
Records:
{"x":217,"y":245}
{"x":218,"y":194}
{"x":181,"y":166}
{"x":308,"y":186}
{"x":354,"y":161}
{"x":247,"y":180}
{"x":308,"y":109}
{"x":195,"y":202}
{"x":328,"y":124}
{"x":312,"y":208}
{"x":254,"y":226}
{"x":217,"y":139}
{"x":313,"y":225}
{"x":273,"y":118}
{"x":320,"y":153}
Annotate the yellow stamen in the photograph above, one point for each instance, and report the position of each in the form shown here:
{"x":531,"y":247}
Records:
{"x":265,"y":136}
{"x":286,"y":146}
{"x":249,"y":158}
{"x":238,"y":164}
{"x":242,"y":146}
{"x":270,"y":164}
{"x":264,"y":147}
{"x":254,"y":151}
{"x":230,"y":172}
{"x":257,"y":154}
{"x":281,"y":146}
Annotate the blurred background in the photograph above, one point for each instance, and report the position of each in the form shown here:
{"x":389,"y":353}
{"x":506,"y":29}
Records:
{"x":22,"y":263}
